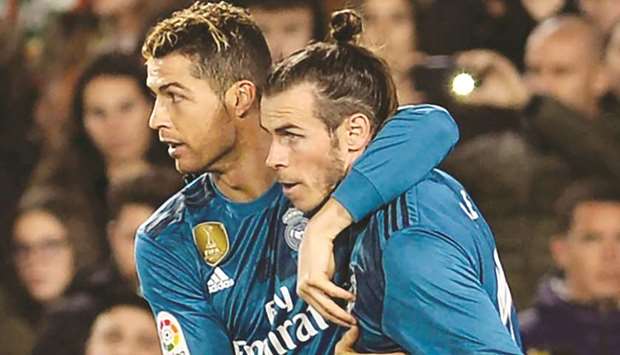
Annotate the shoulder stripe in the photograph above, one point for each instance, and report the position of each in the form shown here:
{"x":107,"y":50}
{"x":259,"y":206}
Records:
{"x":404,"y":211}
{"x":394,"y":214}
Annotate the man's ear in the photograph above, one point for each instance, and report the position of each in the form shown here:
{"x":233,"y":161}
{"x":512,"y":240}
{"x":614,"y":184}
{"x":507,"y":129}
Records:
{"x":359,"y":131}
{"x":558,"y":246}
{"x":240,"y":97}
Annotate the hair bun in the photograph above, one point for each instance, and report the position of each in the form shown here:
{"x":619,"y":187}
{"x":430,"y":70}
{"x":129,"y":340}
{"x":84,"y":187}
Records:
{"x":345,"y":25}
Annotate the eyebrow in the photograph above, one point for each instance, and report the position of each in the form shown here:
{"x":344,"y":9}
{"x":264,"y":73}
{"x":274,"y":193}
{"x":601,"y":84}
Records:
{"x":286,"y":127}
{"x":281,"y":128}
{"x":172,"y":85}
{"x":168,"y":86}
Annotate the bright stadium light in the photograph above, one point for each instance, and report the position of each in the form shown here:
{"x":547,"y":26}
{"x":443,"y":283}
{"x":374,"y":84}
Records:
{"x":463,"y":84}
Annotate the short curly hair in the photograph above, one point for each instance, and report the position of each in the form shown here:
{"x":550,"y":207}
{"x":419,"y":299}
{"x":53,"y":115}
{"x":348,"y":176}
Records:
{"x":222,"y":40}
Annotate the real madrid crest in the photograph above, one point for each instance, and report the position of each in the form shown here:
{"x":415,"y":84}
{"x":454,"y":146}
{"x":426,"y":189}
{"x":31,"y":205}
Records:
{"x":295,"y":227}
{"x":211,"y":239}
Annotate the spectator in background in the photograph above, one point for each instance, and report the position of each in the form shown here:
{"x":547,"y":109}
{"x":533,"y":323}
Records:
{"x":124,"y":326}
{"x":559,"y":96}
{"x":566,"y":136}
{"x":52,"y":240}
{"x":111,"y":106}
{"x":574,"y":45}
{"x":604,"y":13}
{"x":578,"y":312}
{"x":123,"y":22}
{"x":132,"y":201}
{"x":288,"y":25}
{"x":390,"y":31}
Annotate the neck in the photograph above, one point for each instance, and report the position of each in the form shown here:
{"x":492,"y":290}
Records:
{"x":243,"y":175}
{"x":120,"y":169}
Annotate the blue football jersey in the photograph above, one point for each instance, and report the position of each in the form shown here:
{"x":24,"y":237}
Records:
{"x":428,"y":278}
{"x":220,"y":276}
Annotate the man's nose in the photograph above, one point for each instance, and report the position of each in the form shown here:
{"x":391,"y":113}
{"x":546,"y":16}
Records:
{"x":277,"y":157}
{"x":159,"y":116}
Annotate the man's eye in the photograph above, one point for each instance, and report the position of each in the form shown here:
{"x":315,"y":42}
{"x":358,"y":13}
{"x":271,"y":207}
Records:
{"x":292,"y":135}
{"x":174,"y":97}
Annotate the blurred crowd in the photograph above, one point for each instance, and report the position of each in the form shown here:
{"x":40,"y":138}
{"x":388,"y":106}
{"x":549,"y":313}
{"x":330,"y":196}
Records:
{"x":80,"y":169}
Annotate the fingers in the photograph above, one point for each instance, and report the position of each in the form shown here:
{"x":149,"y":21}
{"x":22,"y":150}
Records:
{"x":483,"y":60}
{"x":327,"y":307}
{"x":477,"y":60}
{"x":331,"y":289}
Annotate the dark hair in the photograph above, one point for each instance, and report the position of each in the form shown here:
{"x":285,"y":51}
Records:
{"x":103,"y":305}
{"x":120,"y":298}
{"x":348,"y":78}
{"x":222,"y":40}
{"x":70,"y":211}
{"x":582,"y":192}
{"x":82,"y":234}
{"x":315,"y":6}
{"x":151,"y":188}
{"x":109,"y":64}
{"x":114,"y":65}
{"x":84,"y":163}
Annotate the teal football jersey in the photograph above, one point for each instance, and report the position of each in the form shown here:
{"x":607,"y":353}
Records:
{"x":428,"y":278}
{"x":220,"y":276}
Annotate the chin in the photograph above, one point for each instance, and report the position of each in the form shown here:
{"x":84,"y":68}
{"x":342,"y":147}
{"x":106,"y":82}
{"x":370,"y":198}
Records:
{"x":309,"y":208}
{"x":186,"y":168}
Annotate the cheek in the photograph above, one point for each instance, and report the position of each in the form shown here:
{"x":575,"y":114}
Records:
{"x":66,"y":265}
{"x":585,"y":260}
{"x":96,"y":131}
{"x":58,"y":275}
{"x":189,"y":120}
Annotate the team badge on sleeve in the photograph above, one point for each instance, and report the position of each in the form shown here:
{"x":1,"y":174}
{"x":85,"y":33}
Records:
{"x":211,"y":239}
{"x":295,"y":227}
{"x":171,"y":335}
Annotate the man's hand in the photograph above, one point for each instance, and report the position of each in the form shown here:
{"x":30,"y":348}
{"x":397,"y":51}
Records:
{"x":345,"y":345}
{"x":501,"y":84}
{"x":316,"y":263}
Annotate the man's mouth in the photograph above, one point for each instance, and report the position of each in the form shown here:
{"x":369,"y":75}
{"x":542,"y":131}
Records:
{"x":173,"y":149}
{"x":287,"y":187}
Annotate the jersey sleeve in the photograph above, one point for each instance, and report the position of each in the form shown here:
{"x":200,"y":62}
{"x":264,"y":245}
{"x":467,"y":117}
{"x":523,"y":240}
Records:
{"x":406,"y":149}
{"x":186,"y":321}
{"x":434,"y":301}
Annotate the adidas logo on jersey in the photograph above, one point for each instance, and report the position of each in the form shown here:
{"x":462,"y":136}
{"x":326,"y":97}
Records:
{"x":219,"y":281}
